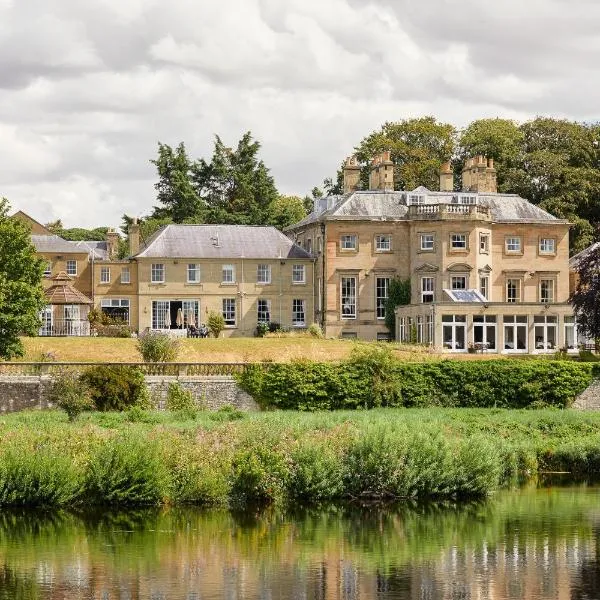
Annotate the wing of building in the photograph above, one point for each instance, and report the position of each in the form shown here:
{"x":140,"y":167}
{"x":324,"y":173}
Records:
{"x":488,"y":271}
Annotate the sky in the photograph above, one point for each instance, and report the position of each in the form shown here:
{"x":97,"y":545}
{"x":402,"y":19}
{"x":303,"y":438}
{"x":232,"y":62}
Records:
{"x":87,"y":89}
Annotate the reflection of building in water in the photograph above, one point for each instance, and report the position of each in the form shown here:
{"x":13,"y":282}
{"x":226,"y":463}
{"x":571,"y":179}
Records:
{"x":255,"y":564}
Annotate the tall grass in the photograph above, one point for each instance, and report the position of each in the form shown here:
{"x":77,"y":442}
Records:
{"x":287,"y":457}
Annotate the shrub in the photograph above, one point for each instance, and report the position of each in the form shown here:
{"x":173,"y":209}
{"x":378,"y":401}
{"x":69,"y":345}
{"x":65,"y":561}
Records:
{"x":262,"y":329}
{"x":155,"y":346}
{"x":373,"y":377}
{"x":274,"y":327}
{"x":127,"y":470}
{"x":178,"y":398}
{"x":40,"y":476}
{"x":115,"y":387}
{"x":314,"y":329}
{"x":71,"y":395}
{"x":215,"y":323}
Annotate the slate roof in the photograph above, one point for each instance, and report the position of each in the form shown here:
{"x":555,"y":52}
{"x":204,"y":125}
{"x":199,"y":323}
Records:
{"x":221,"y":242}
{"x":97,"y":250}
{"x":574,"y":260}
{"x":392,"y":205}
{"x":54,"y":244}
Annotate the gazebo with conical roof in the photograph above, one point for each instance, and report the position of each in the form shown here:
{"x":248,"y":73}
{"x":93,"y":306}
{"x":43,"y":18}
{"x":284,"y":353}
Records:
{"x":67,"y":310}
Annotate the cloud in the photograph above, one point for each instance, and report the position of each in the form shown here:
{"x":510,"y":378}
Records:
{"x":87,"y":89}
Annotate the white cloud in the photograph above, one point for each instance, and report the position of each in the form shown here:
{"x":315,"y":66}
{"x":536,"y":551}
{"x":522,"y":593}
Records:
{"x":88,"y":88}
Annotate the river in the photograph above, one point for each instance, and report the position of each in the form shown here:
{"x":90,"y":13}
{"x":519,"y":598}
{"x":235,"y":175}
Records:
{"x":531,"y":543}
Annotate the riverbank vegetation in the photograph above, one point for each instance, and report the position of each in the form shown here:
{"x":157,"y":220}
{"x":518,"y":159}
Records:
{"x":229,"y":458}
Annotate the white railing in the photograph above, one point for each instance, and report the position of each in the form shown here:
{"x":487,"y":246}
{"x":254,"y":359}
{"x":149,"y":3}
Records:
{"x":65,"y":327}
{"x":427,"y":209}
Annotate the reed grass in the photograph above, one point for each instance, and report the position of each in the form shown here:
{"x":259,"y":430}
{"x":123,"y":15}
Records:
{"x":276,"y":457}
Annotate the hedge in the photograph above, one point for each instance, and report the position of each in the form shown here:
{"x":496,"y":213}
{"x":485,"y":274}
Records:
{"x":374,"y":378}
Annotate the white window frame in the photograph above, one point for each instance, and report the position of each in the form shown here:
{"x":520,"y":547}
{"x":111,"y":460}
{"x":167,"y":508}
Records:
{"x":414,"y":199}
{"x":486,"y":324}
{"x":454,"y":323}
{"x":263,"y":310}
{"x":570,"y":331}
{"x":71,"y":267}
{"x":298,"y":312}
{"x":157,"y":273}
{"x":544,"y":325}
{"x":455,"y":280}
{"x":228,"y":274}
{"x":104,"y":274}
{"x":125,"y":271}
{"x":348,"y":297}
{"x":381,"y":298}
{"x":519,"y":289}
{"x":514,"y":322}
{"x":427,"y":242}
{"x":229,"y":308}
{"x":348,"y":242}
{"x":513,"y":244}
{"x":383,"y":243}
{"x":484,"y":243}
{"x":298,"y":274}
{"x":117,"y":303}
{"x":427,"y":289}
{"x":547,"y":295}
{"x":193,"y":273}
{"x":484,"y":286}
{"x":459,"y":241}
{"x":545,"y":247}
{"x":263,"y":273}
{"x":47,"y":268}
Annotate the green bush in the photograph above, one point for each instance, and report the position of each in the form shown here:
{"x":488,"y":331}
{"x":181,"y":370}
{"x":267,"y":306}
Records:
{"x":178,"y":398}
{"x":215,"y":323}
{"x":155,"y":346}
{"x":262,"y":329}
{"x":71,"y":395}
{"x":115,"y":387}
{"x":314,"y":329}
{"x":373,"y":377}
{"x":38,"y":476}
{"x":127,"y":470}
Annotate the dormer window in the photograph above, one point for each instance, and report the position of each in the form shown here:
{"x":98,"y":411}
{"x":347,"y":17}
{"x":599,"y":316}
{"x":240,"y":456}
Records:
{"x":414,"y":199}
{"x":464,"y":199}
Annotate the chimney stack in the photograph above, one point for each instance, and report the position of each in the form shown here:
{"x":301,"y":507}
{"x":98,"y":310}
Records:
{"x":446,"y":177}
{"x":381,"y":176}
{"x":112,"y":243}
{"x":479,"y":175}
{"x":133,"y":234}
{"x":351,"y":173}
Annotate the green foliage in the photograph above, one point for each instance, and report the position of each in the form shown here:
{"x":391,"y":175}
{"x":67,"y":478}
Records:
{"x":127,"y":470}
{"x":178,"y":398}
{"x":398,"y":295}
{"x":69,"y":394}
{"x":262,"y":329}
{"x":115,"y":387}
{"x":21,"y":294}
{"x":372,"y":378}
{"x":215,"y":323}
{"x":418,"y":148}
{"x":285,"y":211}
{"x":314,"y":330}
{"x":155,"y":346}
{"x":37,"y":475}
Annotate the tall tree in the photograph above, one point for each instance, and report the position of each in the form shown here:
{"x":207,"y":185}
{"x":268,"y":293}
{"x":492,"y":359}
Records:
{"x":418,"y":148}
{"x":235,"y":185}
{"x":586,"y":297}
{"x":285,"y":211}
{"x":175,"y":190}
{"x":21,"y":293}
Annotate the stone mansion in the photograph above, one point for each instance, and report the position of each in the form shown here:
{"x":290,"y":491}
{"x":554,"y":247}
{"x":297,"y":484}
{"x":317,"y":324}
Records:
{"x":488,"y":271}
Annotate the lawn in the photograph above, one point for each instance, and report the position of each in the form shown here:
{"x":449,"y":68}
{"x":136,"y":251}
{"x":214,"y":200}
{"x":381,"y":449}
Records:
{"x":279,"y":349}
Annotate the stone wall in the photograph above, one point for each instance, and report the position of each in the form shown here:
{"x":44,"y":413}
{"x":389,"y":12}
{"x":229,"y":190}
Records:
{"x":590,"y":398}
{"x":31,"y":391}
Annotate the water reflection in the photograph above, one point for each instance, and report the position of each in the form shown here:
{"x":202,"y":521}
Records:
{"x":525,"y":544}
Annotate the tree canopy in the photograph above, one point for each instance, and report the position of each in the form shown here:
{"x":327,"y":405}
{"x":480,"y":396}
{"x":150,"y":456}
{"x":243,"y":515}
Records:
{"x":586,"y":297}
{"x":554,"y":163}
{"x":21,"y":293}
{"x":234,"y":186}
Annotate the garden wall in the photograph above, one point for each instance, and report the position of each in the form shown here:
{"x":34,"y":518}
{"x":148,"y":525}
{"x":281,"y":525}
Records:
{"x":21,"y":392}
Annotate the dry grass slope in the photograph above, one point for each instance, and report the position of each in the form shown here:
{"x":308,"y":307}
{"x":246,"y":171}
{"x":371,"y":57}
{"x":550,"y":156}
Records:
{"x":280,"y":349}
